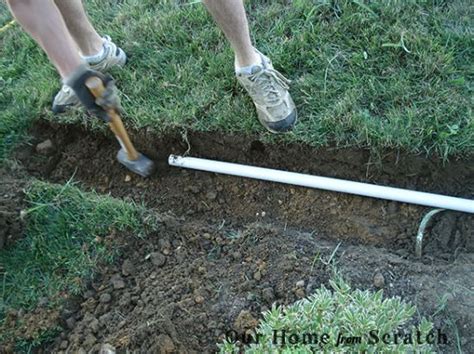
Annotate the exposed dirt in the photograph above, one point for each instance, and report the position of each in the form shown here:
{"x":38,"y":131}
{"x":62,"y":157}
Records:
{"x":90,"y":159}
{"x":11,"y":203}
{"x":229,"y":248}
{"x":201,"y":281}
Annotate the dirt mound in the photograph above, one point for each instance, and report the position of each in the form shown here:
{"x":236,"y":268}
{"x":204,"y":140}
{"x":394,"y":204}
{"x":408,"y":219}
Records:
{"x":183,"y":288}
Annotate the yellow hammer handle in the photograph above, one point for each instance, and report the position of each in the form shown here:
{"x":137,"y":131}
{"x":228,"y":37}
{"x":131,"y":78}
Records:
{"x":96,"y":87}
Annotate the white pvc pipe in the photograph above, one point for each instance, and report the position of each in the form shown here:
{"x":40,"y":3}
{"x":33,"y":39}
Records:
{"x":331,"y":184}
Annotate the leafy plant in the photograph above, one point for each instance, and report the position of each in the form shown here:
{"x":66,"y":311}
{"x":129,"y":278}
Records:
{"x":341,"y":320}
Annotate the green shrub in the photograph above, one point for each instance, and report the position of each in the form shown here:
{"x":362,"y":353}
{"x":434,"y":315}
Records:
{"x":316,"y":324}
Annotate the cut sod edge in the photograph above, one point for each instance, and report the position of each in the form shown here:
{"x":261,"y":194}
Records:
{"x":89,"y":158}
{"x":331,"y":184}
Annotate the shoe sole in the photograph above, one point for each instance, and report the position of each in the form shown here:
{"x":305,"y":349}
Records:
{"x":284,"y":126}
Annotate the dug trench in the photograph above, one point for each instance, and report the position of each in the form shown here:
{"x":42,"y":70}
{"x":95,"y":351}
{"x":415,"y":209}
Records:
{"x":228,"y":248}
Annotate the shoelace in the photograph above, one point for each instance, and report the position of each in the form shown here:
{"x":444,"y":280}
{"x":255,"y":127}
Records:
{"x":266,"y":80}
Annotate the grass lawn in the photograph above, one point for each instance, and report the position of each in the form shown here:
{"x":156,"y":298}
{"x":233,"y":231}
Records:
{"x":68,"y":232}
{"x":364,"y":74}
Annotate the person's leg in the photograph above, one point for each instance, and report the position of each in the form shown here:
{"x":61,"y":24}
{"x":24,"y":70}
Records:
{"x":266,"y":86}
{"x":101,"y":53}
{"x":43,"y":21}
{"x":86,"y":37}
{"x":231,"y":18}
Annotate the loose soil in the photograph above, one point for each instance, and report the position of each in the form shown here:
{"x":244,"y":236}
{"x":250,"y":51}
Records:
{"x":11,"y":203}
{"x":229,"y":248}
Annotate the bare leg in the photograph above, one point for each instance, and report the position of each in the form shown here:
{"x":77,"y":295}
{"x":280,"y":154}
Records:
{"x":231,"y":18}
{"x":86,"y":37}
{"x":43,"y":21}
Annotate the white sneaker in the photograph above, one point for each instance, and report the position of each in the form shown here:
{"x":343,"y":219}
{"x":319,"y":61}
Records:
{"x":112,"y":56}
{"x":269,"y":91}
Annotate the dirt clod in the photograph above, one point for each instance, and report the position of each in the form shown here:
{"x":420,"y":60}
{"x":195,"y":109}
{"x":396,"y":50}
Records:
{"x":164,"y":345}
{"x":70,"y":322}
{"x":157,"y":259}
{"x":45,"y":148}
{"x":379,"y":280}
{"x":300,"y":293}
{"x":89,"y":341}
{"x":107,"y":349}
{"x":268,"y":295}
{"x":128,"y":268}
{"x":245,"y":321}
{"x":105,"y":298}
{"x":117,"y":282}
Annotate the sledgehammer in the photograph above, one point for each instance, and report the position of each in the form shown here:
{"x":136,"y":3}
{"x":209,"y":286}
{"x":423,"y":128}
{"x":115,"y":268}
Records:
{"x":127,"y":155}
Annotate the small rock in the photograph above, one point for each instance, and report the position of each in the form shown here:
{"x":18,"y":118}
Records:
{"x":300,"y":293}
{"x":105,"y":298}
{"x":199,"y":299}
{"x":117,"y":282}
{"x":157,"y":259}
{"x":107,"y":349}
{"x":128,"y":178}
{"x":257,"y":275}
{"x":64,"y":344}
{"x":70,"y":322}
{"x":128,"y":268}
{"x":300,"y":284}
{"x":379,"y":280}
{"x":45,"y":148}
{"x":165,"y":344}
{"x":268,"y":295}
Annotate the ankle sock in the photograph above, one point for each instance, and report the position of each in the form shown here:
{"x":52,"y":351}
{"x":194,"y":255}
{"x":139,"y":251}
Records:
{"x":248,"y":70}
{"x":96,"y":57}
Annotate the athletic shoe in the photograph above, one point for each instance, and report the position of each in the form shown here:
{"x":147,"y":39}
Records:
{"x":112,"y":56}
{"x":269,"y":91}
